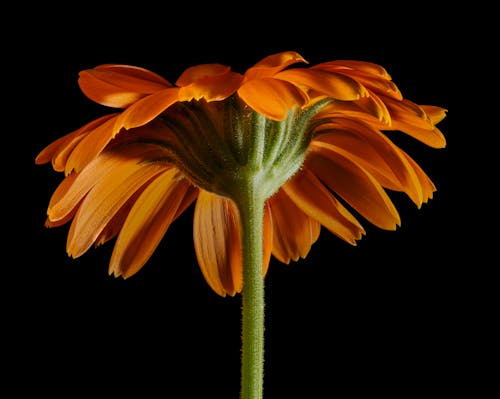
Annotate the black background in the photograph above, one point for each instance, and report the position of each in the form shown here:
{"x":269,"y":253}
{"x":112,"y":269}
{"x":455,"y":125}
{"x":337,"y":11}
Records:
{"x":391,"y":316}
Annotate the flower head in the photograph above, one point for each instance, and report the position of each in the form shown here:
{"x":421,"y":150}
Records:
{"x":311,"y":139}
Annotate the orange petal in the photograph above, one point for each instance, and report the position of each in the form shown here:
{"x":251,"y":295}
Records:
{"x":217,"y":243}
{"x":148,"y":221}
{"x":272,"y":64}
{"x":115,"y":225}
{"x":59,"y":150}
{"x":61,"y":191}
{"x":372,"y":150}
{"x":316,"y":201}
{"x":267,"y":237}
{"x":104,"y":200}
{"x":435,"y":114}
{"x":408,"y":112}
{"x":292,"y":236}
{"x":116,"y":222}
{"x":212,"y":88}
{"x":91,"y":145}
{"x":428,"y":187}
{"x":372,"y":76}
{"x":354,"y":184}
{"x":202,"y":71}
{"x":369,"y":68}
{"x":432,"y":137}
{"x":369,"y":109}
{"x":331,"y":84}
{"x":146,"y":109}
{"x":272,"y":98}
{"x":119,"y":85}
{"x":412,"y":119}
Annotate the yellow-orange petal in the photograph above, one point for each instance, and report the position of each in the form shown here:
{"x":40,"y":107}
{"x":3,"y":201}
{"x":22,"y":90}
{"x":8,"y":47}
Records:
{"x":217,"y":242}
{"x":119,"y":86}
{"x":73,"y":191}
{"x":115,"y":225}
{"x":331,"y":84}
{"x":316,"y":201}
{"x":148,"y":220}
{"x":334,"y":167}
{"x":272,"y":98}
{"x":104,"y":200}
{"x":146,"y":109}
{"x":116,"y":222}
{"x":272,"y":64}
{"x":293,"y":231}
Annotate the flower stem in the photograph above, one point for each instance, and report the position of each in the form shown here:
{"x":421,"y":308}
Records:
{"x":251,"y":208}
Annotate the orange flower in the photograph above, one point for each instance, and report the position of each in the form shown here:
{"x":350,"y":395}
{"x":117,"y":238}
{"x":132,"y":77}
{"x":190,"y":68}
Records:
{"x":311,"y":138}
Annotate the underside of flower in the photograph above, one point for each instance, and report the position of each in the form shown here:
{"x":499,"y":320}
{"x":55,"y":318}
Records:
{"x":221,"y":146}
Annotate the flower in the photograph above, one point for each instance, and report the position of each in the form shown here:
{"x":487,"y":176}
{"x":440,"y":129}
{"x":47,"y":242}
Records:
{"x":311,"y":138}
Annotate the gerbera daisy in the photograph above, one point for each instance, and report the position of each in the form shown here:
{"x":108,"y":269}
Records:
{"x":248,"y":150}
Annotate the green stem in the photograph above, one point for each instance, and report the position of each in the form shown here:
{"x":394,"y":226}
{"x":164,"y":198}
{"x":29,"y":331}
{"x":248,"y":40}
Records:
{"x":251,"y":208}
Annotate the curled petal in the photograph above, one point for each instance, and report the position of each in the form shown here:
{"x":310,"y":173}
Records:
{"x":435,"y":114}
{"x":217,"y":243}
{"x":212,"y":88}
{"x":272,"y":98}
{"x":119,"y":86}
{"x":331,"y":84}
{"x":355,"y":185}
{"x":148,"y":220}
{"x":292,"y":236}
{"x":272,"y":64}
{"x":316,"y":201}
